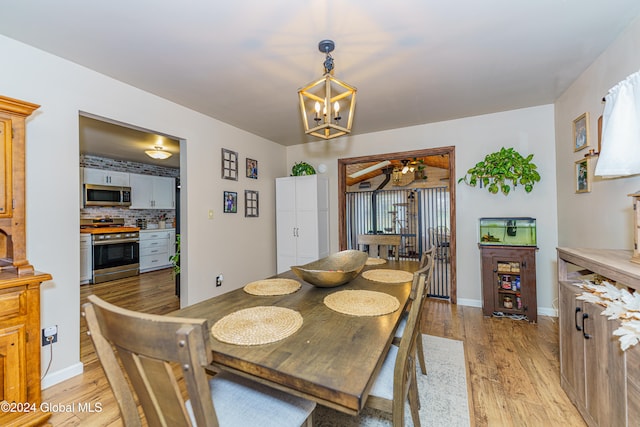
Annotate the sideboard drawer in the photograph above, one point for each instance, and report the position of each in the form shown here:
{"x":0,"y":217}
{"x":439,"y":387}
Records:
{"x":12,"y":304}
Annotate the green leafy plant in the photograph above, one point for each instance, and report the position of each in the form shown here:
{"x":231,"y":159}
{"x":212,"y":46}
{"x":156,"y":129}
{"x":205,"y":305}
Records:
{"x":175,"y":258}
{"x":302,"y":168}
{"x":501,"y":170}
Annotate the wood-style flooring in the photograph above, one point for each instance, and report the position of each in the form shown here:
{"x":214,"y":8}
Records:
{"x":513,"y":366}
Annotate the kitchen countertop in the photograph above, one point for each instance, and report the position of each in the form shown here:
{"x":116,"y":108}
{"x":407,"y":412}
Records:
{"x":104,"y":230}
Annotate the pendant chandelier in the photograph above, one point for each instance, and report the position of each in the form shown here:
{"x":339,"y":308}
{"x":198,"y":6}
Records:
{"x":327,"y":104}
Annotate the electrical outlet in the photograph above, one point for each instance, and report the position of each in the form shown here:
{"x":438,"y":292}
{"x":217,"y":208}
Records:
{"x":219,"y":279}
{"x":49,"y":335}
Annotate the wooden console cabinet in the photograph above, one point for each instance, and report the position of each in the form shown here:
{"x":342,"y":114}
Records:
{"x":601,"y":380}
{"x":509,"y":280}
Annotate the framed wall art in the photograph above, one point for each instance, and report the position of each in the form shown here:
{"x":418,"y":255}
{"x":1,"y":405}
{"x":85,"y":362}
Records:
{"x":251,"y":203}
{"x":230,"y":202}
{"x":252,"y":168}
{"x":229,"y":164}
{"x":581,"y":132}
{"x":583,"y":175}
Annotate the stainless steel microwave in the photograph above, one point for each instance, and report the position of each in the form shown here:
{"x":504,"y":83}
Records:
{"x":106,"y":195}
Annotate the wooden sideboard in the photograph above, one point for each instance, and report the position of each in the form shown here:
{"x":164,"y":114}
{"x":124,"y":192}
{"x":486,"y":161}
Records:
{"x":601,"y":380}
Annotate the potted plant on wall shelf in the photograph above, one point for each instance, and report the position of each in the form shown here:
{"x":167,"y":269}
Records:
{"x":501,"y":170}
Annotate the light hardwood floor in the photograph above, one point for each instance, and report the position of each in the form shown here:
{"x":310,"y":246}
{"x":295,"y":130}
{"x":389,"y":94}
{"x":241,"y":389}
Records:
{"x":513,"y":368}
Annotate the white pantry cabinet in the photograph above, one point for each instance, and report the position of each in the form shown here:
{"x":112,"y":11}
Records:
{"x":156,"y":246}
{"x":105,"y":177}
{"x":302,"y":220}
{"x":152,"y":192}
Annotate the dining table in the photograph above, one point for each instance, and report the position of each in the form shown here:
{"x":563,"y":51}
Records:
{"x":332,"y":359}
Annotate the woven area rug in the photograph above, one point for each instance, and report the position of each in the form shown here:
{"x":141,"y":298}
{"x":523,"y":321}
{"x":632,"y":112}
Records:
{"x":443,"y":393}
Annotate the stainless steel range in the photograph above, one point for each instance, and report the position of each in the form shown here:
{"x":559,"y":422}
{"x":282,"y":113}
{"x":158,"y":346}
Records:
{"x":115,"y":248}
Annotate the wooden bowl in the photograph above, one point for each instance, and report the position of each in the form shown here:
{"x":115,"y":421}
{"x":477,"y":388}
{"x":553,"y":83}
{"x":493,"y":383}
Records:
{"x":334,"y":270}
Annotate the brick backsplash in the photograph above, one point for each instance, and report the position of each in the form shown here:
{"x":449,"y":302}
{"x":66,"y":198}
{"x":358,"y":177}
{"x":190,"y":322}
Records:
{"x":130,"y":215}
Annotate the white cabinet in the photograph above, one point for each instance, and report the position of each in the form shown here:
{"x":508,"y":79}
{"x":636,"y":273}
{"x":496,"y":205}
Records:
{"x":156,"y":246}
{"x":86,"y":259}
{"x":105,"y":177}
{"x":152,"y":192}
{"x":302,"y":220}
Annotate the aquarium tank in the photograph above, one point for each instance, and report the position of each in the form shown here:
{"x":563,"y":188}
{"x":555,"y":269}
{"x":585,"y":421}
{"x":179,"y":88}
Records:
{"x":519,"y":231}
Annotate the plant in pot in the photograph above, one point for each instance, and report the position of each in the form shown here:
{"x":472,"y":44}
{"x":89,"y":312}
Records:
{"x":501,"y":170}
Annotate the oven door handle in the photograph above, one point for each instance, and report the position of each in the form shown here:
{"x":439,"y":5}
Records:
{"x":111,"y":242}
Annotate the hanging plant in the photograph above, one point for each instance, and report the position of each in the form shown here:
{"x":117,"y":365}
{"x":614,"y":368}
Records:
{"x":501,"y":170}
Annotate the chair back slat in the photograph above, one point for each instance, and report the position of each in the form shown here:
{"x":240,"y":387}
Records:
{"x":147,"y":346}
{"x":379,"y":242}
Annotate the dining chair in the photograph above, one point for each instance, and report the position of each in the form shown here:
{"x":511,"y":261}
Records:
{"x":151,"y":348}
{"x":426,"y":268}
{"x":397,"y":380}
{"x":381,"y":244}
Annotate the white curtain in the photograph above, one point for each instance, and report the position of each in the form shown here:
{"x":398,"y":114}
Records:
{"x":620,"y":151}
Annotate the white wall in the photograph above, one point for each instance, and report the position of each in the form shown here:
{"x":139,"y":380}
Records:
{"x":602,"y":218}
{"x":239,"y":247}
{"x":530,"y":131}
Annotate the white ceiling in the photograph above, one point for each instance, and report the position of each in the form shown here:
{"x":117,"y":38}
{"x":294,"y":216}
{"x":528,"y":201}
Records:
{"x":413,"y":61}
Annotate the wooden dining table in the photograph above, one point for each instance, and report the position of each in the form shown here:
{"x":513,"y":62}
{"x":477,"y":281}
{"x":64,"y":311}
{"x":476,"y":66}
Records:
{"x":333,"y":359}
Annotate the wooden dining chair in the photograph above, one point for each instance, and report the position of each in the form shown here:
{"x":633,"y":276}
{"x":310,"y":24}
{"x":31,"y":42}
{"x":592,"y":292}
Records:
{"x":397,"y":380}
{"x":151,"y":348}
{"x":381,"y":244}
{"x":426,"y":268}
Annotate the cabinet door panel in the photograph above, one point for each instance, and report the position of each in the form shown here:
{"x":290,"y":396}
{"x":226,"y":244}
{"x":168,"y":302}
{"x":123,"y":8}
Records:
{"x":141,"y":191}
{"x":605,"y":372}
{"x":12,"y":358}
{"x":163,"y":192}
{"x":572,"y":363}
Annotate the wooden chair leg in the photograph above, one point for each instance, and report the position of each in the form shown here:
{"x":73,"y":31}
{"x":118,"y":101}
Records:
{"x":414,"y":399}
{"x":420,"y":351}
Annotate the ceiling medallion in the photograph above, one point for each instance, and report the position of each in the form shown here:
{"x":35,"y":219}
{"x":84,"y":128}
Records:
{"x":327,"y":104}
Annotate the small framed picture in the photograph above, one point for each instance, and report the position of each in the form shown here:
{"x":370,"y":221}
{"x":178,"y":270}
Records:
{"x":252,"y":168}
{"x":581,"y":132}
{"x":229,"y":164}
{"x":230,"y":202}
{"x":251,"y":203}
{"x":583,"y":175}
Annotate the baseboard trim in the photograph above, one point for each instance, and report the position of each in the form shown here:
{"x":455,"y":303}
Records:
{"x":57,"y":377}
{"x":542,"y":311}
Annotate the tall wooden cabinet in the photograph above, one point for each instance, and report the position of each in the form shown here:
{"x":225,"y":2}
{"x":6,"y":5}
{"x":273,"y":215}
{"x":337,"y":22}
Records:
{"x":509,"y":280}
{"x":19,"y":283}
{"x":601,"y":380}
{"x":302,"y":220}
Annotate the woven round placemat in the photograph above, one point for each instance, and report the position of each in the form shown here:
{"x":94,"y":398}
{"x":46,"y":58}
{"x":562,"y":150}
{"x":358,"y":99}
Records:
{"x":362,"y":303}
{"x":375,"y":261}
{"x":257,"y":325}
{"x":276,"y":286}
{"x":388,"y":276}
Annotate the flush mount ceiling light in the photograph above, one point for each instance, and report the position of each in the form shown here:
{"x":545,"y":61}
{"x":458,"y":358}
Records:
{"x":327,"y":104}
{"x":158,"y":153}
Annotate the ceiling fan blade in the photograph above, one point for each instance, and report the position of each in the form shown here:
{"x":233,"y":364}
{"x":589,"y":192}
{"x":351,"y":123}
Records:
{"x":370,"y":169}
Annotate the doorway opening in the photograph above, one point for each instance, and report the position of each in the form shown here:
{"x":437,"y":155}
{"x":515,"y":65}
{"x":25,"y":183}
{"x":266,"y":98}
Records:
{"x":411,"y":194}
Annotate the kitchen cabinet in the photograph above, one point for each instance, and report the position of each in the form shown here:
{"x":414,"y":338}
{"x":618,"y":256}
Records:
{"x":601,"y":380}
{"x":152,"y":192}
{"x":20,"y":344}
{"x":105,"y":177}
{"x":86,"y":262}
{"x":156,"y":246}
{"x":302,"y":220}
{"x":509,"y":280}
